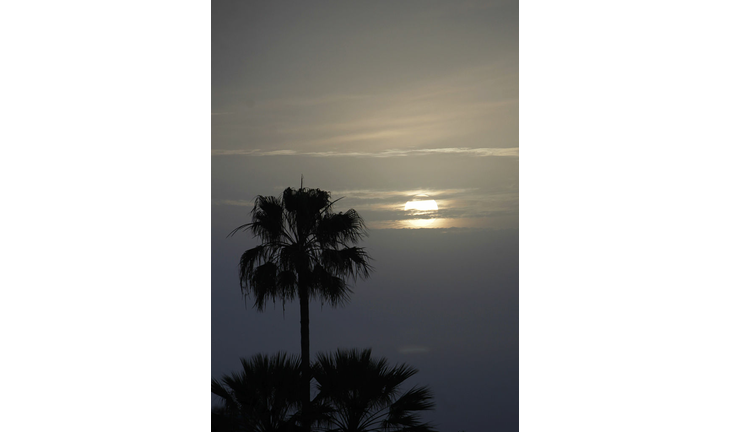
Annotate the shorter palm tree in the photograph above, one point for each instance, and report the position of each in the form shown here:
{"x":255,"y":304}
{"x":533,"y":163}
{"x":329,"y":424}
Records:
{"x":264,"y":397}
{"x":364,"y":394}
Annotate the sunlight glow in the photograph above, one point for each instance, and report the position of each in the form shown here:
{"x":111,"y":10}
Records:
{"x":422,"y":205}
{"x":421,"y":211}
{"x":420,"y":223}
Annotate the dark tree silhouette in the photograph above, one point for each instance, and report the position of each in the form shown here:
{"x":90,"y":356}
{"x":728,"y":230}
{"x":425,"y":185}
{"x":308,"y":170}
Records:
{"x":306,"y":251}
{"x":264,"y":397}
{"x":356,"y":393}
{"x":365,"y":394}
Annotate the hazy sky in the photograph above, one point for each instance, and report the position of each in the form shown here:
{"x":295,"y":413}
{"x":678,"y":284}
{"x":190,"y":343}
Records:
{"x":379,"y":102}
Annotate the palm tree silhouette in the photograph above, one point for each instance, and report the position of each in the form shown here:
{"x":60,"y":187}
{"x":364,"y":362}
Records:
{"x":263,"y":397}
{"x":364,"y":394}
{"x":306,"y":251}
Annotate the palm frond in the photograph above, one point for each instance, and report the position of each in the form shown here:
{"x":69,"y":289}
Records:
{"x":265,"y":392}
{"x":329,"y":287}
{"x":287,"y":283}
{"x":351,"y":262}
{"x":341,"y":229}
{"x":364,"y":392}
{"x":294,"y":257}
{"x":267,"y":219}
{"x":242,"y":227}
{"x":415,"y":399}
{"x":251,"y":259}
{"x":229,"y":403}
{"x":405,"y":414}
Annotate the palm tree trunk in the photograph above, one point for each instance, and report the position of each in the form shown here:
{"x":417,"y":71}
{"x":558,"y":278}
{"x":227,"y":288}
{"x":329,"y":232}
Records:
{"x":306,"y":372}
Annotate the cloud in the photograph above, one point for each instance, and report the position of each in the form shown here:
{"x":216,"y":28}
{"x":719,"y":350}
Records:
{"x":465,"y":207}
{"x":457,"y":207}
{"x":475,"y":108}
{"x":383,"y":194}
{"x":479,"y":152}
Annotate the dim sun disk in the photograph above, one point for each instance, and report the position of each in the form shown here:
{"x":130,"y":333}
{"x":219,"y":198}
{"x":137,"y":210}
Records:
{"x":421,"y":205}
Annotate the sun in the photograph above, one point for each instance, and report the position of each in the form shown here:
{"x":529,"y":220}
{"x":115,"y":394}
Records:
{"x":422,"y":205}
{"x":422,"y":211}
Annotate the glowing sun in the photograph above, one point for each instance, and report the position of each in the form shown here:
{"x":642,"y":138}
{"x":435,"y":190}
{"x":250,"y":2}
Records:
{"x":422,"y":205}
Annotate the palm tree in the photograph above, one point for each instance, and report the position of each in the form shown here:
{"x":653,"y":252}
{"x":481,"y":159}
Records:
{"x":364,"y":394}
{"x":306,"y":251}
{"x":264,"y":397}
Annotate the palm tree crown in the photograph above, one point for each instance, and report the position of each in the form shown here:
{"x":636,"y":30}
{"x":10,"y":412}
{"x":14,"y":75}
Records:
{"x":364,"y":394}
{"x":304,"y":246}
{"x":264,"y":396}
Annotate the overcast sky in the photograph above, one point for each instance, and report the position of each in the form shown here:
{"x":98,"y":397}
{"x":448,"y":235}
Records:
{"x":380,"y":102}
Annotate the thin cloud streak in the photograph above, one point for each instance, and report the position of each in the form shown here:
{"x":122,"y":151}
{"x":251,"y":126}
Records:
{"x":472,"y":107}
{"x":382,"y":194}
{"x":479,"y":152}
